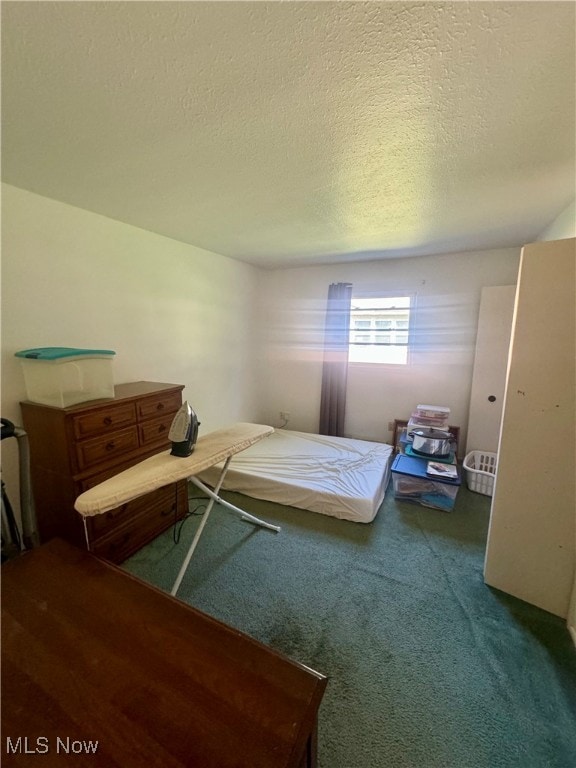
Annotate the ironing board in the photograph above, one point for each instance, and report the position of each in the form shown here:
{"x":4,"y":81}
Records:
{"x":164,"y":469}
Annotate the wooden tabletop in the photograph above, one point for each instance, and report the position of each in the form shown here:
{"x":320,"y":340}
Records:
{"x":101,"y":669}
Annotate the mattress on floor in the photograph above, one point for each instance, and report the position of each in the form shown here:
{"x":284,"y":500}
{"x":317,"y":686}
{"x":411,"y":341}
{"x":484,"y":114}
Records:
{"x":337,"y":476}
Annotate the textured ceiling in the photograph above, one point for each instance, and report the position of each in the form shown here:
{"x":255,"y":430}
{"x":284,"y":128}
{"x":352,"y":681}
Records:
{"x":285,"y":133}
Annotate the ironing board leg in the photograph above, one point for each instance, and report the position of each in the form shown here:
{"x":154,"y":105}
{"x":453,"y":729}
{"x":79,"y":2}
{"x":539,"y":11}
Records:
{"x":88,"y":547}
{"x":244,"y":515}
{"x":198,"y":533}
{"x":213,"y":495}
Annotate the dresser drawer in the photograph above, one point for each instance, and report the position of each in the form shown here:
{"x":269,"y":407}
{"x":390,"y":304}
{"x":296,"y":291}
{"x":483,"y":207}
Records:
{"x":149,"y":407}
{"x":128,"y":538}
{"x":90,"y":453}
{"x":107,"y":523}
{"x":155,"y":432}
{"x":86,"y":483}
{"x":104,"y":420}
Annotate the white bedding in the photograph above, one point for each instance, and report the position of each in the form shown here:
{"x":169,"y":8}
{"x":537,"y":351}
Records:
{"x":336,"y":476}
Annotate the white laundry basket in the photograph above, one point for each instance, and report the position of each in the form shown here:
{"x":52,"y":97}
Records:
{"x":480,"y":469}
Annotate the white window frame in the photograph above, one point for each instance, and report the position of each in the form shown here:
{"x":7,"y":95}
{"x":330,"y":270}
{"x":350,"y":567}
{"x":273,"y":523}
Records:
{"x":375,"y":296}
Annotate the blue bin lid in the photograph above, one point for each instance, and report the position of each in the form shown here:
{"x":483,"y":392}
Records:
{"x":58,"y":353}
{"x":416,"y":467}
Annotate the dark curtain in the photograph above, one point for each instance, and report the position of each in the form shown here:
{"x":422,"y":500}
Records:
{"x":335,"y":370}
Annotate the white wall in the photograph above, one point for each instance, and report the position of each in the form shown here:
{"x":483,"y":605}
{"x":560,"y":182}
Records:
{"x":448,"y":291}
{"x":172,"y":312}
{"x":563,"y":226}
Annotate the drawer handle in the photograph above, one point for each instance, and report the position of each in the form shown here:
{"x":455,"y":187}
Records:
{"x":160,"y":407}
{"x":108,"y":421}
{"x":115,"y":512}
{"x":114,"y":545}
{"x":162,"y":428}
{"x":110,"y":446}
{"x":171,"y":511}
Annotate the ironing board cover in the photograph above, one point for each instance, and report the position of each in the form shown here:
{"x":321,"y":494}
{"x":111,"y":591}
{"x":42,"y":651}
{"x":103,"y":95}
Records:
{"x":164,"y":469}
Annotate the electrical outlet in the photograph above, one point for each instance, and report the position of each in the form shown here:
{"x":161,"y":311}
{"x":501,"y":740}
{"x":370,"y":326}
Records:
{"x":285,"y":415}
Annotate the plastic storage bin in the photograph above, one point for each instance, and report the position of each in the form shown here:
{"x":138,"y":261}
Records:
{"x":63,"y":376}
{"x":480,"y":469}
{"x":412,"y":484}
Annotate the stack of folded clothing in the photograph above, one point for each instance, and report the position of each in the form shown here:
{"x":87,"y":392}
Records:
{"x":429,"y":416}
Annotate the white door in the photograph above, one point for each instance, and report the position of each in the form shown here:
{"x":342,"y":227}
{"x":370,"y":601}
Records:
{"x":530,"y":550}
{"x":490,"y":364}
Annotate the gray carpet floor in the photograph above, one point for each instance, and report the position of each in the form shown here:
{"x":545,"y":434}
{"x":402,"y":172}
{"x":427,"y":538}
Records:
{"x":428,"y":667}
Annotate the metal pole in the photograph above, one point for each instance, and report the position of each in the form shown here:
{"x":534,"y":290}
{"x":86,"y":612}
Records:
{"x":30,"y":534}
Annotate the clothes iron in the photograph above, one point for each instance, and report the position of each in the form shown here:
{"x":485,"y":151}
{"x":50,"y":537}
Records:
{"x":184,"y":431}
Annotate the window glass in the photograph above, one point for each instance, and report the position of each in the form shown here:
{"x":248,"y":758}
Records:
{"x":384,"y":323}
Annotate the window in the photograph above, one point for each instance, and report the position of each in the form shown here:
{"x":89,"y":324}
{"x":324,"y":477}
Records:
{"x":379,"y":330}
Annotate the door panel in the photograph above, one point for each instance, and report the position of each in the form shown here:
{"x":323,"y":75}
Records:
{"x":490,"y":364}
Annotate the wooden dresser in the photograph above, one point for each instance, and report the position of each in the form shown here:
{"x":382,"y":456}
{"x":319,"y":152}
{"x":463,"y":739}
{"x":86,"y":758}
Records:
{"x":73,"y":449}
